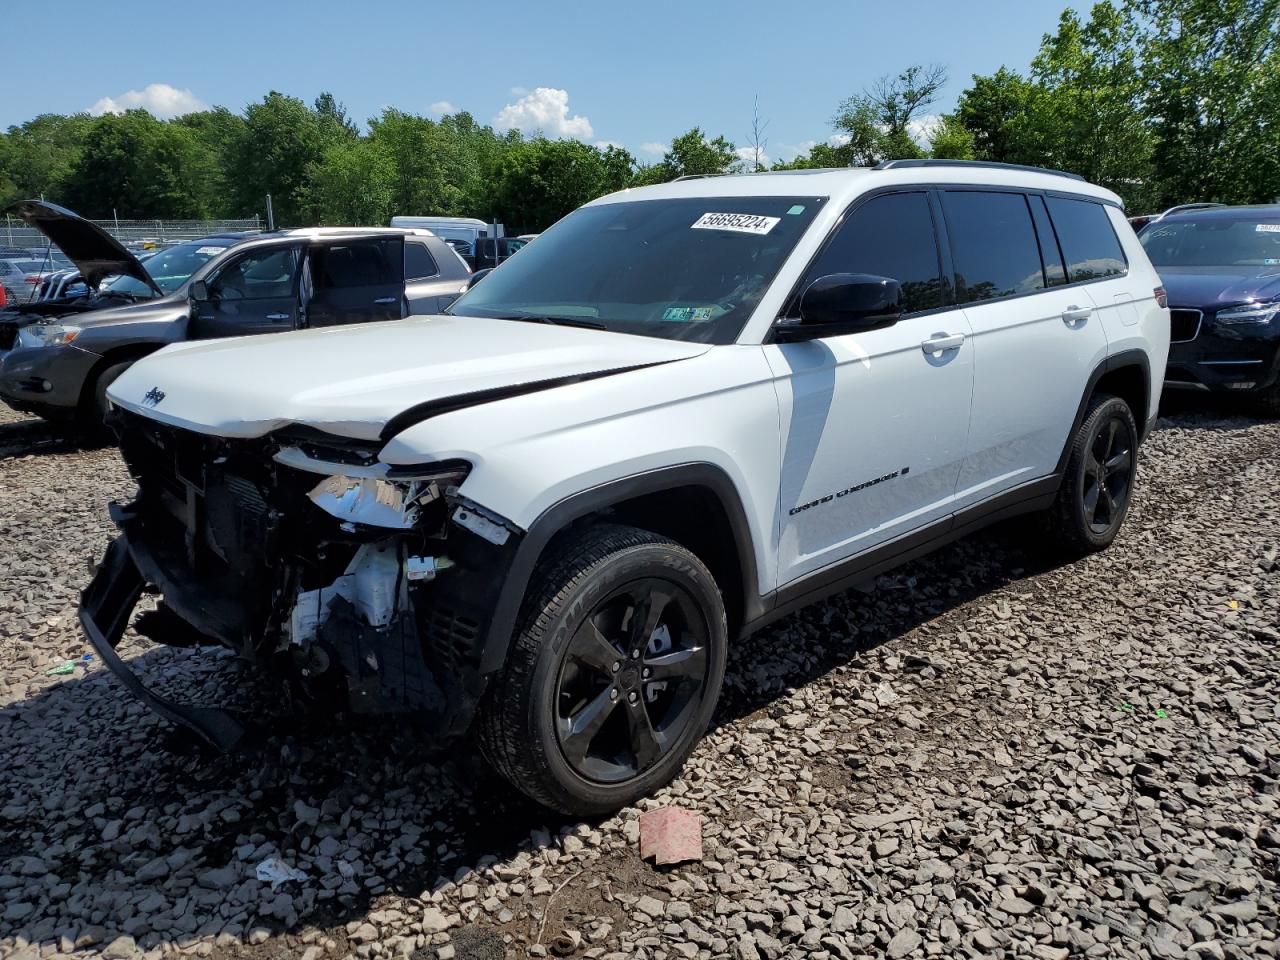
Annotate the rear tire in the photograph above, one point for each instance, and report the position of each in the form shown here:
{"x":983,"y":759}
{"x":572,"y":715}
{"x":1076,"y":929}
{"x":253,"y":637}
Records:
{"x":1100,"y":479}
{"x":613,"y":673}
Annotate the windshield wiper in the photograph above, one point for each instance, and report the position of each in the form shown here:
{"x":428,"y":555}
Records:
{"x":557,"y":321}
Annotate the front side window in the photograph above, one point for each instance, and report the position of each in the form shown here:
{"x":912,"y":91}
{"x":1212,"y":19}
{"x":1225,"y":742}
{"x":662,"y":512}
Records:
{"x":1213,"y":242}
{"x":682,"y":269}
{"x":1089,"y":242}
{"x":888,"y":236}
{"x":261,"y":275}
{"x":993,"y":244}
{"x":170,"y":268}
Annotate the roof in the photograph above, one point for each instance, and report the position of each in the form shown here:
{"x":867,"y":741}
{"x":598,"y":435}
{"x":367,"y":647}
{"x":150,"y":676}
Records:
{"x":1250,"y":212}
{"x":843,"y":184}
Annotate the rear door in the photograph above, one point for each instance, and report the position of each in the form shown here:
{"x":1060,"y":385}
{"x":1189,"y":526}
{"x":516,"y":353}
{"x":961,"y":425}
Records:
{"x":354,"y":281}
{"x":1036,"y":337}
{"x":256,"y":292}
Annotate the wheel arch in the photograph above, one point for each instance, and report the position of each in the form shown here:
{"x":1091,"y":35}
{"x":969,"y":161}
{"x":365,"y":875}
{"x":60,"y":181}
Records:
{"x":125,"y":353}
{"x":1126,"y":375}
{"x":695,"y":504}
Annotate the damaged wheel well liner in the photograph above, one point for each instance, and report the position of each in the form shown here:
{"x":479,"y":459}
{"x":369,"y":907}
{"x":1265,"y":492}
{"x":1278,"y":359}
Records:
{"x":695,"y":504}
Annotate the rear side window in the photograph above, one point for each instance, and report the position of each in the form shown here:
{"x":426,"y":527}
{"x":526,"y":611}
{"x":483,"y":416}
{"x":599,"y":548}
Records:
{"x":367,"y":263}
{"x":993,"y":243}
{"x":1089,"y":243}
{"x":418,"y":263}
{"x":889,"y":236}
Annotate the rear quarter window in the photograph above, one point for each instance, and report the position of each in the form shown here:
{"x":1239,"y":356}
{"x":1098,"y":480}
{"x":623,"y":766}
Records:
{"x":1089,"y":243}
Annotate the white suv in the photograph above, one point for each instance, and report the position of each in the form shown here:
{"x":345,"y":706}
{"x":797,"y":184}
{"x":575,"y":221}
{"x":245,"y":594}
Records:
{"x":685,"y":411}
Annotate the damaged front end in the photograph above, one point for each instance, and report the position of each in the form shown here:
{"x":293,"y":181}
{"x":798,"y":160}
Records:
{"x":366,"y":588}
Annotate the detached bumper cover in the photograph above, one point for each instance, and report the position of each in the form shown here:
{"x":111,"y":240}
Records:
{"x":105,"y":608}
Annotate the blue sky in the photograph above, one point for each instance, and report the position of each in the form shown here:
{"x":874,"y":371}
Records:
{"x":634,"y":74}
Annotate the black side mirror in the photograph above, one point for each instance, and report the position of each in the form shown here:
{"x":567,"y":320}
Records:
{"x":841,"y":303}
{"x":199,"y":290}
{"x":476,"y":278}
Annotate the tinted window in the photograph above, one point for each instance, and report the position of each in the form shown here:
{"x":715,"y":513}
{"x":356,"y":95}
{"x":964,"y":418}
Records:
{"x":418,"y":264}
{"x":993,"y":243}
{"x":1089,"y":243}
{"x":1213,"y":242}
{"x":368,"y":263}
{"x":890,"y":236}
{"x":1050,"y":252}
{"x":262,"y":275}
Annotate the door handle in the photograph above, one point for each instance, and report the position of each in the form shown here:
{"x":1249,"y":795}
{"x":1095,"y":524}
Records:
{"x":385,"y":300}
{"x":277,"y":316}
{"x":1074,"y":314}
{"x":942,"y":342}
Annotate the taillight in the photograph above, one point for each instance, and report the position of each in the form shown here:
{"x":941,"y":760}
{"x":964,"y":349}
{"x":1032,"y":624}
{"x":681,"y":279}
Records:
{"x":1162,"y":298}
{"x":33,"y":278}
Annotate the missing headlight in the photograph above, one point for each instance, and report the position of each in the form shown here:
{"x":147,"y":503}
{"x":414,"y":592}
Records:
{"x":392,"y":504}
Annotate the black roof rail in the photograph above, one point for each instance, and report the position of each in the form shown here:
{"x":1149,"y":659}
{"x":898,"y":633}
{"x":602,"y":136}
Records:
{"x":696,"y":176}
{"x":982,"y":164}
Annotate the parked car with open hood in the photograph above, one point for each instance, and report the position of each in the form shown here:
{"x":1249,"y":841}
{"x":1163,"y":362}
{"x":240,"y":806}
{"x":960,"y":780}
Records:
{"x":683,"y":411}
{"x":58,"y":355}
{"x":1221,"y":268}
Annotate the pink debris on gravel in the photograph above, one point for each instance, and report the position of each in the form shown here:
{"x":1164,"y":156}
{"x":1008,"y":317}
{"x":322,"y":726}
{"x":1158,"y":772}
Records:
{"x":670,"y":835}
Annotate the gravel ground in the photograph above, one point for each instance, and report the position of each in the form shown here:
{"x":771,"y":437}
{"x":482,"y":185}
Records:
{"x":987,"y":756}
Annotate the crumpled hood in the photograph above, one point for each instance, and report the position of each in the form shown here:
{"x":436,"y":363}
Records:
{"x":351,"y":381}
{"x":95,"y":252}
{"x":1211,"y":288}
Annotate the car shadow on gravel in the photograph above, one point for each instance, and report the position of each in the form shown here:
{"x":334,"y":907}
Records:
{"x":35,"y":437}
{"x":99,"y":797}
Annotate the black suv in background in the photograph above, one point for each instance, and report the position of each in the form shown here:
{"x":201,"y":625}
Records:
{"x":58,"y":356}
{"x":1221,"y":269}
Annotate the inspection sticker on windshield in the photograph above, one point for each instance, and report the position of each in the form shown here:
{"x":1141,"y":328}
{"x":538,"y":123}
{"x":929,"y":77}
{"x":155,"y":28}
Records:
{"x":209,"y":251}
{"x":737,"y":222}
{"x":1267,"y":228}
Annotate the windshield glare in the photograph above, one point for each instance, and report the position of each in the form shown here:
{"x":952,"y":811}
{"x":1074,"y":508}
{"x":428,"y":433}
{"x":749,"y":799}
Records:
{"x":1213,"y":242}
{"x":686,"y":269}
{"x":169,"y":268}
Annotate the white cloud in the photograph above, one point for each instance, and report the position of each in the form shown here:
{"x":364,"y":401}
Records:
{"x":654,"y":149}
{"x":838,"y":139}
{"x":606,"y":144}
{"x":748,"y":156}
{"x":545,"y":111}
{"x":441,"y":107}
{"x":159,"y":98}
{"x":922,"y":129}
{"x":519,"y":91}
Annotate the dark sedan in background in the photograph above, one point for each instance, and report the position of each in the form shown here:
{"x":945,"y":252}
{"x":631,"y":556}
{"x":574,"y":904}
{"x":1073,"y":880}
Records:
{"x":1221,"y":269}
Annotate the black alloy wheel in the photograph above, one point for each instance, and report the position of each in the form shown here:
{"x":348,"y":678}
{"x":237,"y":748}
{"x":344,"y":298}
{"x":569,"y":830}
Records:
{"x":630,"y":680}
{"x":1108,"y":472}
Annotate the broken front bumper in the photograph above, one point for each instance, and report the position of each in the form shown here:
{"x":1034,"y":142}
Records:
{"x":105,"y":608}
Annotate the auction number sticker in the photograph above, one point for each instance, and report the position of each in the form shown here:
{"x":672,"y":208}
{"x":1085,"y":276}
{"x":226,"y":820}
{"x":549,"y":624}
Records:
{"x":736,"y":222}
{"x":1268,"y":228}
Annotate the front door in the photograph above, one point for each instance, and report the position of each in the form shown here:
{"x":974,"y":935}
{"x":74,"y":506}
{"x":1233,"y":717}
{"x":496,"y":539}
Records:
{"x":355,"y":281}
{"x":254,"y":293}
{"x":874,"y":423}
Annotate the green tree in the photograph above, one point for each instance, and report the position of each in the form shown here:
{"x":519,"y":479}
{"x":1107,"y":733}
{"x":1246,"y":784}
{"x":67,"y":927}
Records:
{"x":539,"y":181}
{"x":352,"y":184}
{"x":139,"y":166}
{"x":42,"y":152}
{"x":282,"y":139}
{"x":1211,"y":72}
{"x":999,"y":113}
{"x":691,"y":153}
{"x":951,"y":140}
{"x":217,"y":135}
{"x":882,"y":122}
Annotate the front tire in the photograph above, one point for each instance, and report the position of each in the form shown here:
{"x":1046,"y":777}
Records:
{"x":1100,"y":478}
{"x":613,"y":674}
{"x":95,"y":406}
{"x":1266,"y":403}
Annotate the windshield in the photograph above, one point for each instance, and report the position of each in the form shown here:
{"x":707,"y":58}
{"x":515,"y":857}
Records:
{"x":1213,"y":242}
{"x":687,"y":269}
{"x":169,"y":268}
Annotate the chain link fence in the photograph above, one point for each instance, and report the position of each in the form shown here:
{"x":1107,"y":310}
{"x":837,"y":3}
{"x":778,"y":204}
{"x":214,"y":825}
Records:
{"x":134,"y":234}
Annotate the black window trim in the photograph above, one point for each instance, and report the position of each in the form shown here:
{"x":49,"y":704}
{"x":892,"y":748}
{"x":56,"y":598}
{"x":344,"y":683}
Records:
{"x":430,"y":256}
